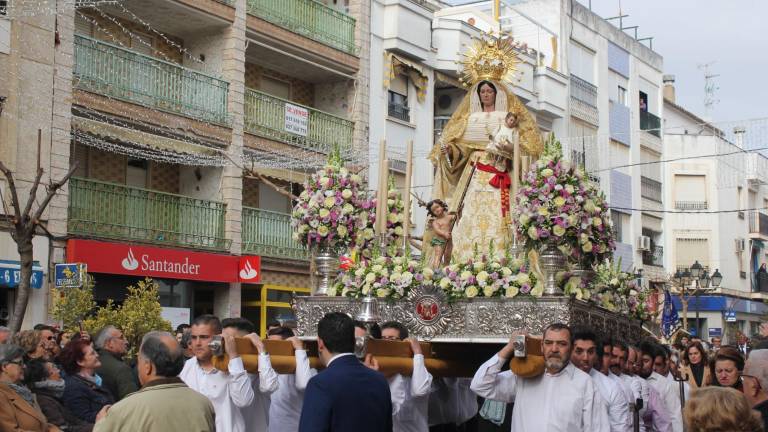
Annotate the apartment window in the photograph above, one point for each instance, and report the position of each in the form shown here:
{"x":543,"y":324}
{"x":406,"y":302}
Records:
{"x":690,"y":250}
{"x":643,"y":102}
{"x":690,"y":192}
{"x":397,"y":106}
{"x":275,"y":87}
{"x":582,"y":62}
{"x":142,"y":43}
{"x":137,"y":173}
{"x":3,"y":7}
{"x":82,"y":26}
{"x":620,"y":223}
{"x":621,"y":96}
{"x":740,"y":201}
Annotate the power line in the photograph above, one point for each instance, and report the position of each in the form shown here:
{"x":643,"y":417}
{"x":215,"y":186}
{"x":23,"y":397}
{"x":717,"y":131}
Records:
{"x":628,"y":209}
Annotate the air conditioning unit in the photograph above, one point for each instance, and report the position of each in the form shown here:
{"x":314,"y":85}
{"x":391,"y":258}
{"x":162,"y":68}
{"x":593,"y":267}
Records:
{"x":644,"y":243}
{"x":741,"y":245}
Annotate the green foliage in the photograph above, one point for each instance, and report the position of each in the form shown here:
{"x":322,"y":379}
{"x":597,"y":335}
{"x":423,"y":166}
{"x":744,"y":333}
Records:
{"x":139,"y":314}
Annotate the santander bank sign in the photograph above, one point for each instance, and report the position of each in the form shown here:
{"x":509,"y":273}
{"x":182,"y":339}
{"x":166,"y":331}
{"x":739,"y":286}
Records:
{"x":140,"y":260}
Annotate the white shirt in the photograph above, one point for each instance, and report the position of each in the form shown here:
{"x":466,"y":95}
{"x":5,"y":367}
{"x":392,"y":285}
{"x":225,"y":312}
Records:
{"x":615,"y":400}
{"x":410,"y":398}
{"x":686,"y":387}
{"x":451,"y":401}
{"x":639,"y":391}
{"x":561,"y":402}
{"x":228,"y":392}
{"x":669,"y":391}
{"x":263,"y":384}
{"x":285,"y":409}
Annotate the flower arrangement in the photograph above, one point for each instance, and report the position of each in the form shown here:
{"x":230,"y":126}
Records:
{"x":558,"y":203}
{"x":333,"y":210}
{"x":618,"y":291}
{"x":395,"y":222}
{"x":489,"y":275}
{"x":387,"y":277}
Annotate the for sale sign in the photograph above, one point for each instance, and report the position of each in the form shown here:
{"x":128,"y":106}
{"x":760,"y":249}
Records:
{"x":296,"y":119}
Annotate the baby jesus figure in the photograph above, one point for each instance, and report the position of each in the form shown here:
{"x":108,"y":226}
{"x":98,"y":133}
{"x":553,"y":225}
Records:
{"x":441,"y":226}
{"x":502,"y":142}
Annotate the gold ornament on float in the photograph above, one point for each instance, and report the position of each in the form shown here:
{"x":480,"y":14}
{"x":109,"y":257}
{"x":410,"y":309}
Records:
{"x":490,"y":58}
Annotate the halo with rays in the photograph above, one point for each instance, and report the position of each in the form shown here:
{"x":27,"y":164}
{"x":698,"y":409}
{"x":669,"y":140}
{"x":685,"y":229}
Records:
{"x":489,"y":58}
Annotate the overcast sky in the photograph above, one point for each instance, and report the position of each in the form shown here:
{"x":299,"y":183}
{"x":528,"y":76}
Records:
{"x":689,"y":32}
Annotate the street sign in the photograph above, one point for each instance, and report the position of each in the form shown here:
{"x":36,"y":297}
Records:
{"x":70,"y":275}
{"x":715,"y":332}
{"x":692,"y":331}
{"x":730,"y":316}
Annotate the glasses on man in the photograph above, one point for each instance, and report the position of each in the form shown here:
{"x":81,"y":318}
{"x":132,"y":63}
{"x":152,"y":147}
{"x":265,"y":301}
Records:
{"x":17,"y":362}
{"x":742,"y":376}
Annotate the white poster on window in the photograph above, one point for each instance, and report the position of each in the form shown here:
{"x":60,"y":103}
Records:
{"x":176,"y":315}
{"x":296,"y":119}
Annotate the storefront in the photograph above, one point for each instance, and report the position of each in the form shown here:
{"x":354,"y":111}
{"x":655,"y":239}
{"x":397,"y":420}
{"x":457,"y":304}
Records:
{"x":10,"y":275}
{"x":200,"y":282}
{"x":723,"y":315}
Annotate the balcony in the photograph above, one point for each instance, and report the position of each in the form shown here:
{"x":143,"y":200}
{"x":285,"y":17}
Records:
{"x":109,"y":210}
{"x":650,"y":123}
{"x":654,"y":257}
{"x":119,"y":73}
{"x":758,"y":223}
{"x":310,"y":19}
{"x":399,"y":111}
{"x":584,"y":100}
{"x":269,"y":233}
{"x":650,"y":189}
{"x":265,"y":116}
{"x":691,"y":205}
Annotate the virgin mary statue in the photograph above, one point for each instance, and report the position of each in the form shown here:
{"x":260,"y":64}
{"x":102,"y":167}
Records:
{"x":473,"y":176}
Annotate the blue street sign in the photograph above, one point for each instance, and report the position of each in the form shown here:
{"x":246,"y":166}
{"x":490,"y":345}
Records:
{"x":69,"y":275}
{"x":715,"y":332}
{"x":730,"y":316}
{"x":10,"y":274}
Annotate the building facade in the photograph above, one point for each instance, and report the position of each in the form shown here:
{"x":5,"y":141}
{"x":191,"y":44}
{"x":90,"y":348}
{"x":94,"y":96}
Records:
{"x":714,"y":224}
{"x":191,"y":122}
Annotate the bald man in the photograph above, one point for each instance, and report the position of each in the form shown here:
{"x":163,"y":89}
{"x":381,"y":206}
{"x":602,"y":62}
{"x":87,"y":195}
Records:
{"x":156,"y":407}
{"x":755,"y":382}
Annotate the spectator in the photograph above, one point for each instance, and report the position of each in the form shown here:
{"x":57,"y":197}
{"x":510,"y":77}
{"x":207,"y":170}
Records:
{"x":742,"y":344}
{"x":361,"y":330}
{"x":272,"y":324}
{"x":180,"y":329}
{"x":695,"y":368}
{"x":117,"y":375}
{"x":43,"y":378}
{"x":755,"y":382}
{"x":83,"y":395}
{"x":715,"y":343}
{"x":5,"y":334}
{"x":18,"y":409}
{"x":720,"y":409}
{"x":31,"y":342}
{"x":48,"y":340}
{"x":162,"y":393}
{"x":727,"y":367}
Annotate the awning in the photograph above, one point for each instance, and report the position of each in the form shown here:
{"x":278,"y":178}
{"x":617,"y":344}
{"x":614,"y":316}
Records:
{"x":283,"y":174}
{"x":447,"y":79}
{"x":395,"y":65}
{"x":172,"y":148}
{"x":10,"y":274}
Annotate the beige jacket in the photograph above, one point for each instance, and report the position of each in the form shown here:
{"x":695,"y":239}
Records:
{"x":164,"y":405}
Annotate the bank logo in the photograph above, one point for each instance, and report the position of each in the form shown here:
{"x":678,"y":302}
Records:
{"x":248,"y":272}
{"x":130,"y":262}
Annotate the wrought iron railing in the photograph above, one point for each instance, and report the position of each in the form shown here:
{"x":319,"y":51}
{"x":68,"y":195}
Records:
{"x":650,"y":123}
{"x":654,"y":257}
{"x":309,"y":18}
{"x":110,"y":210}
{"x":269,"y":233}
{"x":119,"y":73}
{"x":265,"y":116}
{"x":758,"y":223}
{"x":650,"y":189}
{"x":691,"y":205}
{"x":399,"y":111}
{"x":583,"y":91}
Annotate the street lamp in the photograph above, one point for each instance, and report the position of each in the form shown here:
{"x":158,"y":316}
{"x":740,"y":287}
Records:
{"x":699,"y":277}
{"x":717,"y":278}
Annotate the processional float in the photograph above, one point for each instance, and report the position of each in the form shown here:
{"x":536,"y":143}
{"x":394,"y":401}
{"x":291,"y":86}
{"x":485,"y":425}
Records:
{"x":530,"y":242}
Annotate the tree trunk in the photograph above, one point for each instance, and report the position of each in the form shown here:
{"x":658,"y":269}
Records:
{"x":22,"y":291}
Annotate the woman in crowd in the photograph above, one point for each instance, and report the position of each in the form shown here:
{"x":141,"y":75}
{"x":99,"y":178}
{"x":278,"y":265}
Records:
{"x":18,"y":409}
{"x":727,"y":367}
{"x":43,"y":378}
{"x":31,"y":342}
{"x":720,"y":409}
{"x":696,"y":367}
{"x":83,"y":394}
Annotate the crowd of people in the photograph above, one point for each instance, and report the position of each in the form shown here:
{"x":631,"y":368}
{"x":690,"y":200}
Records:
{"x":52,"y":380}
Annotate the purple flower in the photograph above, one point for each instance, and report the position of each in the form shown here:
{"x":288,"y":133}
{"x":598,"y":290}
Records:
{"x":525,"y":289}
{"x":419,"y":277}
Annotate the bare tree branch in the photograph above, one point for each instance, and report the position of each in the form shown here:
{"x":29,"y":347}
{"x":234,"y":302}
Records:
{"x":52,"y":189}
{"x":12,"y":186}
{"x":33,"y":192}
{"x":280,"y":190}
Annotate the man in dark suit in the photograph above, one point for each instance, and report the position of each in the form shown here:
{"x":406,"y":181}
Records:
{"x":347,"y":396}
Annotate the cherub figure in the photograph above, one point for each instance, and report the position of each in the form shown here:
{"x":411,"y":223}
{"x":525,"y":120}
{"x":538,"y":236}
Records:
{"x":441,"y":224}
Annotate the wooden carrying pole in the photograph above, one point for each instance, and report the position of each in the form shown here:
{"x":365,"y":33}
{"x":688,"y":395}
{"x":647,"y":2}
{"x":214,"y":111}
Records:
{"x":407,"y":194}
{"x":381,"y":202}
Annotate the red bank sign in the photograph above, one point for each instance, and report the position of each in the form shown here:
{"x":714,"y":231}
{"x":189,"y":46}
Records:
{"x":140,"y":260}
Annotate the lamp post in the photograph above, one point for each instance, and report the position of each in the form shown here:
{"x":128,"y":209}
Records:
{"x":699,"y":277}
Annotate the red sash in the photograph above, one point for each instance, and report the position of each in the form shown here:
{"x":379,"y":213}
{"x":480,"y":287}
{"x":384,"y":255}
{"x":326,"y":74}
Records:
{"x":501,"y":180}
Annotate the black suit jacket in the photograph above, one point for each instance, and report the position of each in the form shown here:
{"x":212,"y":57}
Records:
{"x":347,"y":397}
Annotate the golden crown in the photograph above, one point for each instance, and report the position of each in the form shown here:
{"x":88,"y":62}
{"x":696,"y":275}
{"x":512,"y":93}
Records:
{"x":489,"y":58}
